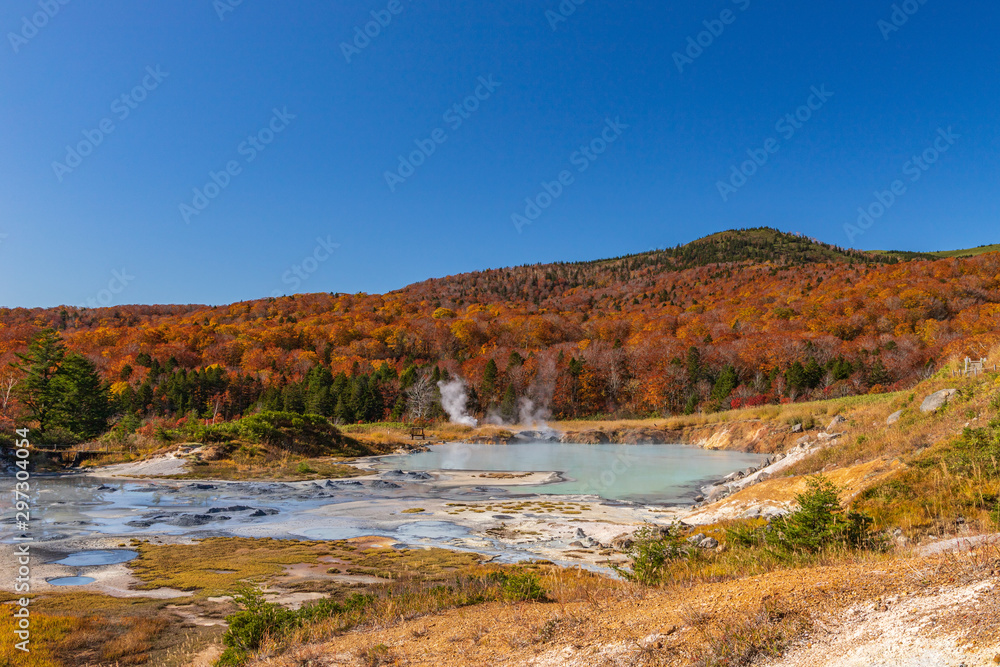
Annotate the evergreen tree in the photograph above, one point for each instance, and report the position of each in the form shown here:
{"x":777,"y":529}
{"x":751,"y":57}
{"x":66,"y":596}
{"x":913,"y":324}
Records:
{"x":724,"y":386}
{"x":489,"y":385}
{"x":694,"y":369}
{"x":878,"y":374}
{"x":408,"y":377}
{"x":795,"y":376}
{"x":508,"y":406}
{"x":84,"y":403}
{"x":813,"y":373}
{"x":38,"y":391}
{"x":399,"y":409}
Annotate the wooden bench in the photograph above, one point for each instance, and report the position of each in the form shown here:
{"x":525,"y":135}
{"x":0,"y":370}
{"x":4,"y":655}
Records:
{"x":417,"y":432}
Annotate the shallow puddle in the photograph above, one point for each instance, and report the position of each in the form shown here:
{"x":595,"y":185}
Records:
{"x":71,"y":581}
{"x":98,"y":557}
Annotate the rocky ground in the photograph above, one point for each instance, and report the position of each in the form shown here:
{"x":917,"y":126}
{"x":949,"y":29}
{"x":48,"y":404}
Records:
{"x":911,"y":612}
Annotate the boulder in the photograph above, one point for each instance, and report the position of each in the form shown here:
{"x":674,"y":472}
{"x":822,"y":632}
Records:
{"x":937,"y":400}
{"x":708,"y":543}
{"x":622,"y":542}
{"x":893,"y":418}
{"x":717,"y":492}
{"x":696,"y":539}
{"x":591,"y":437}
{"x":797,"y":428}
{"x":837,"y":421}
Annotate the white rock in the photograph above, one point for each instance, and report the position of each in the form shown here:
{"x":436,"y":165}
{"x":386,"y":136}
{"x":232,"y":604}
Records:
{"x":937,"y":400}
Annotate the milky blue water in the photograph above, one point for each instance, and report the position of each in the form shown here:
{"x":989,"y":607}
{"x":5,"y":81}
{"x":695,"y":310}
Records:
{"x":640,"y":473}
{"x":71,"y":581}
{"x":98,"y":557}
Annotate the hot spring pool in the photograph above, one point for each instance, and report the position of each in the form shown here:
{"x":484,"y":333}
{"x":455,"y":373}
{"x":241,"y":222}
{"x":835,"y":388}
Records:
{"x":641,"y":473}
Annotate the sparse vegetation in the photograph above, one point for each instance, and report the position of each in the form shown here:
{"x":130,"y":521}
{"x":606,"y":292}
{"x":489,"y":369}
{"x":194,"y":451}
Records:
{"x":652,"y":551}
{"x":819,"y":523}
{"x":744,"y":638}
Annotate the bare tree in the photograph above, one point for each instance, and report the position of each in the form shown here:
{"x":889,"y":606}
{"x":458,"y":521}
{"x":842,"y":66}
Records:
{"x":420,"y":397}
{"x":6,"y":388}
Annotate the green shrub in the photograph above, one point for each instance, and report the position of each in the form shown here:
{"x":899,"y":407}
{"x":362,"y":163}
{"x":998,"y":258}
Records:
{"x":304,"y":469}
{"x":523,"y":586}
{"x":653,"y":549}
{"x":259,"y":620}
{"x":819,"y":522}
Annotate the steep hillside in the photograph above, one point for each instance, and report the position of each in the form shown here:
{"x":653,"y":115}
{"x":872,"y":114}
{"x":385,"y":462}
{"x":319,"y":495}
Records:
{"x":736,"y":319}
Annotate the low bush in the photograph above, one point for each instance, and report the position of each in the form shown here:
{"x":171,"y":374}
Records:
{"x":819,"y":523}
{"x":259,"y":621}
{"x":520,"y":587}
{"x":653,"y":549}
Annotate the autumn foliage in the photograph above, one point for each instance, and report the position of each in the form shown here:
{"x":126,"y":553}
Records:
{"x":737,"y":319}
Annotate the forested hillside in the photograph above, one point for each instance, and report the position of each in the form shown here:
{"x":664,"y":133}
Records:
{"x":738,"y":318}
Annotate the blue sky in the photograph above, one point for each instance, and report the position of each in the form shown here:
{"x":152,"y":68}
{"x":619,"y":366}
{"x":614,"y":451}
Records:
{"x":205,"y":81}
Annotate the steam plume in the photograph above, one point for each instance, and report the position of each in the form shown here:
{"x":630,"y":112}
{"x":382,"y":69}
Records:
{"x":453,"y":400}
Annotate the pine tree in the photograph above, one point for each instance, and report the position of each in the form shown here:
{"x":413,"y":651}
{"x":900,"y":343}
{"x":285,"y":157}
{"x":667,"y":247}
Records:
{"x":508,"y":406}
{"x":84,"y":403}
{"x":724,"y":386}
{"x":489,"y":385}
{"x":38,"y":391}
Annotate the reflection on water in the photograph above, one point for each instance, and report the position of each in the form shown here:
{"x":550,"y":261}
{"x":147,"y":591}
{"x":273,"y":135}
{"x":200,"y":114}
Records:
{"x":98,"y":557}
{"x":641,"y":473}
{"x":71,"y":581}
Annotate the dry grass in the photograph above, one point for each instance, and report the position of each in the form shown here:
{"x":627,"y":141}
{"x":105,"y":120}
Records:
{"x":90,"y":630}
{"x":596,"y":621}
{"x":215,"y":566}
{"x":287,"y":468}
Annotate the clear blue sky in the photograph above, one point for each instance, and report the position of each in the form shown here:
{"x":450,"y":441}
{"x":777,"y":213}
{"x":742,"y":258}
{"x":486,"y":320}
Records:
{"x":66,"y":229}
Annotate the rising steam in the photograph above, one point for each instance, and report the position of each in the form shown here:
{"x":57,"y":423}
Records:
{"x":453,"y":400}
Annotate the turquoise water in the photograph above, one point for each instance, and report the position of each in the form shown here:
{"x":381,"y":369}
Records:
{"x":641,"y":473}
